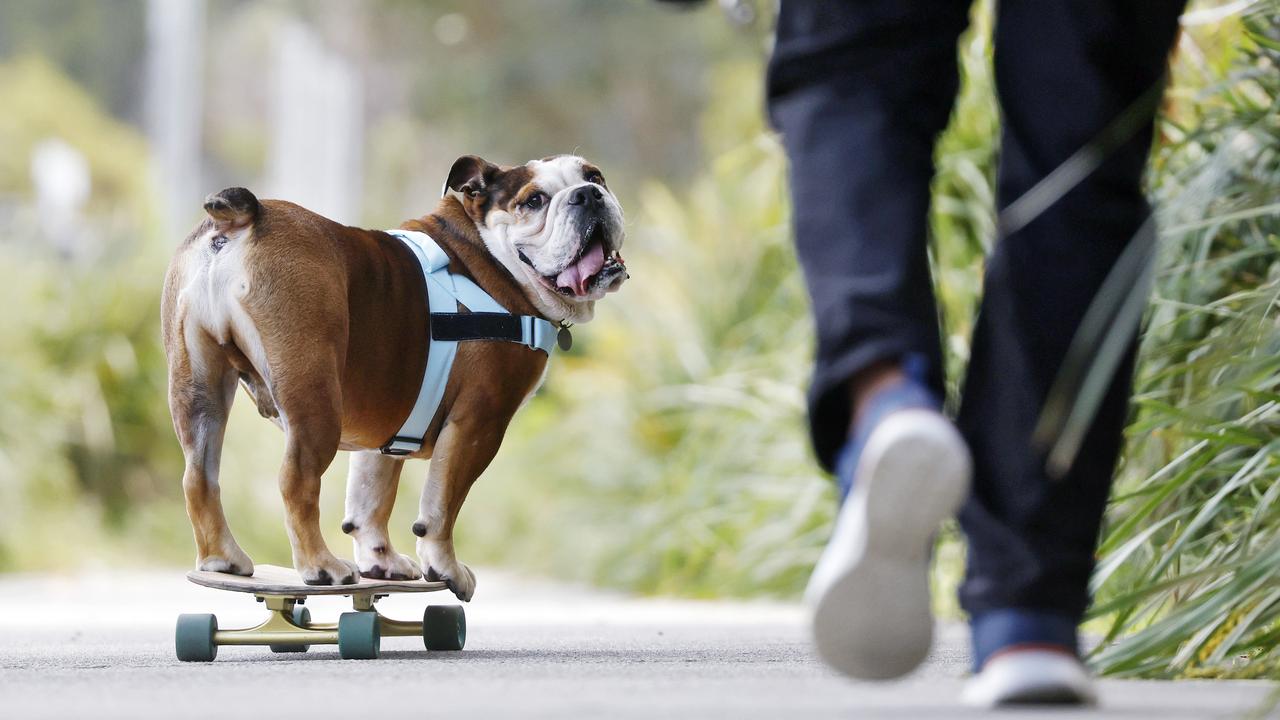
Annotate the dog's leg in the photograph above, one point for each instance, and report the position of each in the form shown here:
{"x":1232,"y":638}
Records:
{"x":310,"y":402}
{"x":371,"y":492}
{"x":461,"y":454}
{"x":201,"y":388}
{"x":253,"y":382}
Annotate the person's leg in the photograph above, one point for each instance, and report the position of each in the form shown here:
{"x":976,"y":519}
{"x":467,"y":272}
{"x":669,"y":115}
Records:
{"x":860,"y":91}
{"x":1065,"y":69}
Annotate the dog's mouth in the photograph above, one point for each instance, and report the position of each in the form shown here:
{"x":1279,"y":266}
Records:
{"x":593,"y":268}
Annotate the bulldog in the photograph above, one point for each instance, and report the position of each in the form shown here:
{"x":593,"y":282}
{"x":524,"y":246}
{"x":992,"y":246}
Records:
{"x":327,"y":328}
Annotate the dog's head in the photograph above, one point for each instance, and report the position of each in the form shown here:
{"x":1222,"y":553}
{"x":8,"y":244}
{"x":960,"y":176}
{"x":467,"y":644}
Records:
{"x":553,"y":223}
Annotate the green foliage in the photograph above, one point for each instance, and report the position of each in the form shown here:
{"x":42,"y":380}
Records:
{"x":675,"y":459}
{"x":41,"y":102}
{"x":83,"y":429}
{"x":667,"y":454}
{"x":71,"y":33}
{"x":619,"y":82}
{"x":1189,"y":557}
{"x":963,"y":219}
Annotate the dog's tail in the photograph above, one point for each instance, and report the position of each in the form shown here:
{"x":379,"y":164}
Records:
{"x":231,"y":209}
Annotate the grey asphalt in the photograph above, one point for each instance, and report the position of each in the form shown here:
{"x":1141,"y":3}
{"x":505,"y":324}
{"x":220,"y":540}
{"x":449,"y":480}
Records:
{"x":100,"y":646}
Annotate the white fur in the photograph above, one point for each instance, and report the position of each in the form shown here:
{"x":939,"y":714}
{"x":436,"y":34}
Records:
{"x":439,"y":556}
{"x":431,"y":504}
{"x":370,"y":477}
{"x":204,"y":304}
{"x":549,"y":238}
{"x":216,"y":286}
{"x":435,"y":551}
{"x":537,"y":386}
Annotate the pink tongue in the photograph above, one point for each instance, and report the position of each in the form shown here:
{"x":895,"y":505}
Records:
{"x":575,"y":276}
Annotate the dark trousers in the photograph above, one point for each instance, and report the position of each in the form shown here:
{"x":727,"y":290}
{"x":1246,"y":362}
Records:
{"x":860,"y":90}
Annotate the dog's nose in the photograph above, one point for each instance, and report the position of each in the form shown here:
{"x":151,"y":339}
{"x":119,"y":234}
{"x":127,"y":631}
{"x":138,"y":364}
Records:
{"x":586,"y":195}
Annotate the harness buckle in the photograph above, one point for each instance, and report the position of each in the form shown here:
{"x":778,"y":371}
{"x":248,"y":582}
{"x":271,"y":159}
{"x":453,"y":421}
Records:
{"x":399,"y":452}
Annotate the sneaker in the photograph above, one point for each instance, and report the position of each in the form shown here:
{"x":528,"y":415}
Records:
{"x":1026,"y":656}
{"x":1030,"y":675}
{"x":905,"y":471}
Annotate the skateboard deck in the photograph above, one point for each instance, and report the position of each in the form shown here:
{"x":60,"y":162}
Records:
{"x":276,"y":580}
{"x":288,"y":627}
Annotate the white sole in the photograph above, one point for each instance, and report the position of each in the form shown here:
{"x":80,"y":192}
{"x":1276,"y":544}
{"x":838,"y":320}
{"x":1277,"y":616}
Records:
{"x":870,"y":589}
{"x":1030,"y":677}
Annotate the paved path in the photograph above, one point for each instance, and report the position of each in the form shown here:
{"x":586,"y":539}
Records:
{"x":101,"y":646}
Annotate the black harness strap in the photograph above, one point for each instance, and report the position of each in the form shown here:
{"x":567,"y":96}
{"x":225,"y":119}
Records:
{"x":476,"y":326}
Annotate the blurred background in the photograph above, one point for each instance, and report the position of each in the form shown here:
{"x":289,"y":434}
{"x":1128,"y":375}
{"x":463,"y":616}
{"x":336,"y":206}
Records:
{"x":666,"y":452}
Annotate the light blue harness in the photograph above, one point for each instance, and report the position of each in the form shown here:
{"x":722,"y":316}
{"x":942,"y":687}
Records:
{"x":445,"y":291}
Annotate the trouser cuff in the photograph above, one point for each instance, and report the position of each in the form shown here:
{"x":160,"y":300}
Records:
{"x":997,"y":630}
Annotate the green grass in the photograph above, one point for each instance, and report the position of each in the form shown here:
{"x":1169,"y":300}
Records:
{"x":1189,"y":557}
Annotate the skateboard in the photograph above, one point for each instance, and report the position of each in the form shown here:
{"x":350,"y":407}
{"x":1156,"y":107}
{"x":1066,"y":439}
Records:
{"x":288,"y":627}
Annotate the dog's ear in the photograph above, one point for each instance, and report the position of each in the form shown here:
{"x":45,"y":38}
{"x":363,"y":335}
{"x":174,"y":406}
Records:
{"x":470,"y":175}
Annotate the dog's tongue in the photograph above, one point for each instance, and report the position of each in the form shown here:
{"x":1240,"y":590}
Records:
{"x":575,"y":276}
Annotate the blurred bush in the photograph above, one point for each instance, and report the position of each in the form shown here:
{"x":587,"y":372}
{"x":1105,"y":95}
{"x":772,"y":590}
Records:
{"x":42,"y":103}
{"x":667,"y":455}
{"x":675,"y":456}
{"x":84,"y":430}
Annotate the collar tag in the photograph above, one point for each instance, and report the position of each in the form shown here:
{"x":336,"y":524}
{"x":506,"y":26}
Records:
{"x":564,"y":338}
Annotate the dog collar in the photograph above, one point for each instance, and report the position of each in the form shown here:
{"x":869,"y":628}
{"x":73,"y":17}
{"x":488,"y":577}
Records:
{"x":487,"y":320}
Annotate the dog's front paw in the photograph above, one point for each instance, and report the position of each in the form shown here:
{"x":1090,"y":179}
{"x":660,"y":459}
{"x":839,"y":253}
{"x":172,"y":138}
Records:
{"x":440,"y":564}
{"x":459,"y":579}
{"x":233,"y":560}
{"x":328,"y":570}
{"x":387,"y":565}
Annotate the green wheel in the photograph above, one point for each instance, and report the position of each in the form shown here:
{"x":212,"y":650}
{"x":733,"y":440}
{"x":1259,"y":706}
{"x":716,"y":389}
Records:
{"x":302,"y":618}
{"x":194,"y":638}
{"x":358,"y":636}
{"x":444,"y":627}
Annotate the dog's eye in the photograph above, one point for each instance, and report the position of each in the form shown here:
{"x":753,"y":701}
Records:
{"x":535,"y":201}
{"x":594,"y":177}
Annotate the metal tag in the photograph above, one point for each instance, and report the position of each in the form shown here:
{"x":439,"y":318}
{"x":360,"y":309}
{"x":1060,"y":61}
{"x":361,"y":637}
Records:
{"x":564,"y":339}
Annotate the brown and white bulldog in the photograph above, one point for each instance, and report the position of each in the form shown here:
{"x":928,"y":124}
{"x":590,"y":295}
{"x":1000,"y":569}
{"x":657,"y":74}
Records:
{"x":327,"y":327}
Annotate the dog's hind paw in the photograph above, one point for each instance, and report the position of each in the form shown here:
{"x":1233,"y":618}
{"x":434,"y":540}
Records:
{"x":237,"y":565}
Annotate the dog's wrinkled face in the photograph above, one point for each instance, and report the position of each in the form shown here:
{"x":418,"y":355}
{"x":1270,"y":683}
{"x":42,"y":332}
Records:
{"x":553,"y":223}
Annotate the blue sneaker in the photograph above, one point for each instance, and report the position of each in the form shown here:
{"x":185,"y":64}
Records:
{"x":904,"y":471}
{"x":1025,"y":657}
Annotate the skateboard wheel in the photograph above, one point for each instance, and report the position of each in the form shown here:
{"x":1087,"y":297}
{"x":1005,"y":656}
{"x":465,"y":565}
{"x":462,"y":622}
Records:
{"x":194,"y":638}
{"x":301,"y":618}
{"x":444,"y":627}
{"x":358,"y":636}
